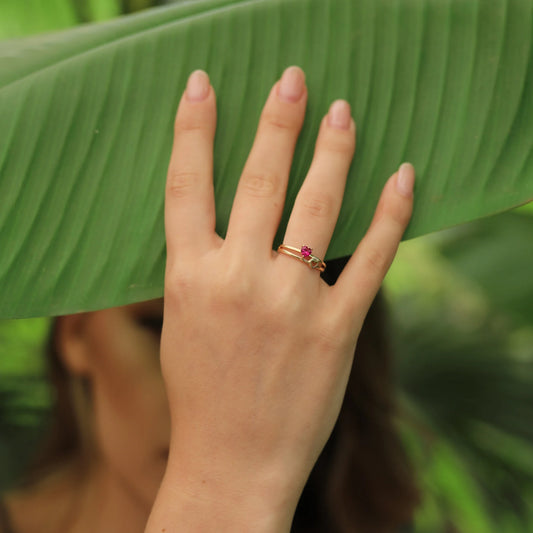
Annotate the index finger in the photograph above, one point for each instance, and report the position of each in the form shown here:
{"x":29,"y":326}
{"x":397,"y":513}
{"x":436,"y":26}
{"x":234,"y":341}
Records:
{"x":189,"y":199}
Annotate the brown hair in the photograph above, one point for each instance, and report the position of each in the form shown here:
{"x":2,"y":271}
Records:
{"x":362,"y":480}
{"x":68,"y":439}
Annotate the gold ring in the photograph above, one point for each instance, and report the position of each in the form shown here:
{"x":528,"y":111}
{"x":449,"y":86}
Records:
{"x":304,"y":255}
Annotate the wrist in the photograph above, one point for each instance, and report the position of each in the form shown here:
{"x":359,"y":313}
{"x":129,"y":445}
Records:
{"x":206,"y":502}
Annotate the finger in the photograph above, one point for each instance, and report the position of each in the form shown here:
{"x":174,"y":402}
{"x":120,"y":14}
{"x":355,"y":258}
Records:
{"x":319,"y":200}
{"x":360,"y":280}
{"x":189,"y":198}
{"x":260,"y":195}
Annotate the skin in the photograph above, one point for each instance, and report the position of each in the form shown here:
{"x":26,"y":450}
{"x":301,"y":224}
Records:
{"x":255,"y":370}
{"x":117,"y":350}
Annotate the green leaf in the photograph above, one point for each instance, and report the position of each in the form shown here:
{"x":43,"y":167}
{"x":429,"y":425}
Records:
{"x":87,"y":120}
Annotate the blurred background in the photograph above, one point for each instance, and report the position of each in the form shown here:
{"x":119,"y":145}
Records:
{"x":461,"y":304}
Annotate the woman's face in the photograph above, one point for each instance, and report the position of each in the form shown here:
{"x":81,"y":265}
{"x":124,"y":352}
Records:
{"x":118,"y":350}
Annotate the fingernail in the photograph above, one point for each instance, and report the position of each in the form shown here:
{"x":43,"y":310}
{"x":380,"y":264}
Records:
{"x":406,"y":179}
{"x":292,"y":84}
{"x":198,"y":86}
{"x":339,"y":115}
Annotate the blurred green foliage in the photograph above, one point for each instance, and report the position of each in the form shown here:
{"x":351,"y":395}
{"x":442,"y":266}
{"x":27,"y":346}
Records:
{"x":28,"y":17}
{"x":25,"y":396}
{"x":461,"y":303}
{"x":464,"y":344}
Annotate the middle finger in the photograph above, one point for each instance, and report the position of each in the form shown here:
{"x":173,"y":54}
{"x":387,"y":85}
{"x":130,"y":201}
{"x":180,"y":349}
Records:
{"x":260,"y":196}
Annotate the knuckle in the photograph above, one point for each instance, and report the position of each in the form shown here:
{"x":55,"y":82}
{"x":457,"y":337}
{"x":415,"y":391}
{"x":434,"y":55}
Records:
{"x":188,"y":122}
{"x":399,"y":215}
{"x":277,"y":120}
{"x":329,"y":332}
{"x":230,"y":294}
{"x":232,"y":285}
{"x":318,"y":204}
{"x":179,"y":283}
{"x":338,"y":142}
{"x":376,"y":261}
{"x":181,"y":182}
{"x":286,"y":303}
{"x":260,"y":184}
{"x":328,"y":338}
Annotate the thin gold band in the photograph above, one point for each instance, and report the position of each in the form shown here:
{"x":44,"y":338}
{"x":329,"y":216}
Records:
{"x":304,"y":255}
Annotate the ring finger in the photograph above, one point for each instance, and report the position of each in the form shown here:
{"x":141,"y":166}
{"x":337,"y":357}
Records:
{"x":319,"y":200}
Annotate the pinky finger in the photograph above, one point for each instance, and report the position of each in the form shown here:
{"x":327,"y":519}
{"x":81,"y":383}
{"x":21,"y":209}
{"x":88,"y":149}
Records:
{"x":361,"y":279}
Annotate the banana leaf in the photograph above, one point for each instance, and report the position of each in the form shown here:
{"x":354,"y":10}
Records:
{"x":87,"y":118}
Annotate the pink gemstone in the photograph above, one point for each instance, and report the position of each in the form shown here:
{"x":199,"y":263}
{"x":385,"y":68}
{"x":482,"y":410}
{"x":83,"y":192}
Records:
{"x":306,"y":251}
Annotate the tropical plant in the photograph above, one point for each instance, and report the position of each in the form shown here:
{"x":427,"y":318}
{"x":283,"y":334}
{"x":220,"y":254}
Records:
{"x":25,"y":395}
{"x":464,"y":345}
{"x":87,"y":117}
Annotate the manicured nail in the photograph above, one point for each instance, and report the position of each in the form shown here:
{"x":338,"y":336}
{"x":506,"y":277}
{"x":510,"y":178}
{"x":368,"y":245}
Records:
{"x":292,"y":84}
{"x":339,"y":115}
{"x":406,"y":179}
{"x":198,"y":86}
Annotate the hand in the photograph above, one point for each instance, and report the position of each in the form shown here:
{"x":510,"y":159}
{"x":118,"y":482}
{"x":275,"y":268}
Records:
{"x":256,"y":348}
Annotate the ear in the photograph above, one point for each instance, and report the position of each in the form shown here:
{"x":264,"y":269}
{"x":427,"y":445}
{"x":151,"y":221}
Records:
{"x":71,"y":342}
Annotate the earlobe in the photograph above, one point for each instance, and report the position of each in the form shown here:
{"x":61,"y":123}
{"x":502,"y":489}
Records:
{"x":71,"y":342}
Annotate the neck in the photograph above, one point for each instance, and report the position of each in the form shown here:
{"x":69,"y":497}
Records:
{"x":74,"y":500}
{"x":107,"y":503}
